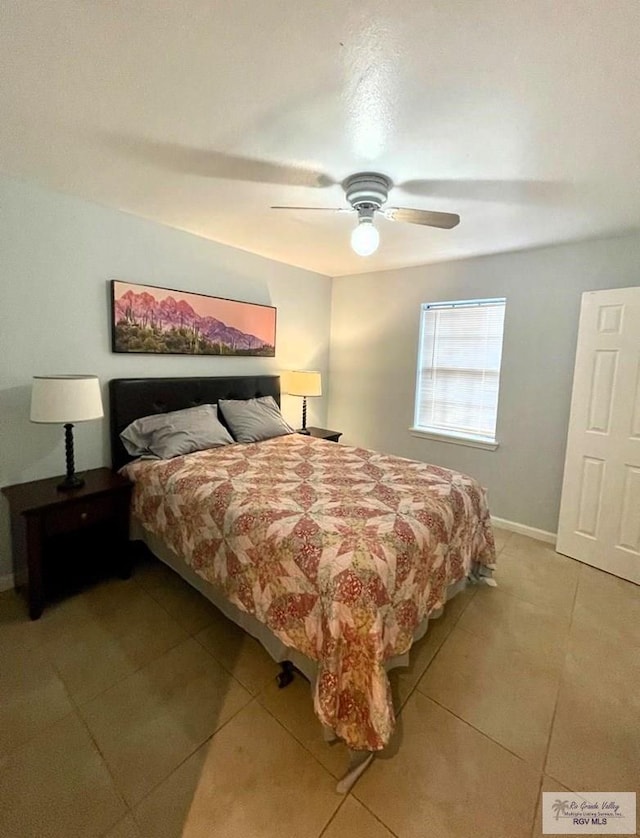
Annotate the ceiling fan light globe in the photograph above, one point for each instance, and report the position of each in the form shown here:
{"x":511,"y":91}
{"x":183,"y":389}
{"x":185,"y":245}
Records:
{"x":365,"y":239}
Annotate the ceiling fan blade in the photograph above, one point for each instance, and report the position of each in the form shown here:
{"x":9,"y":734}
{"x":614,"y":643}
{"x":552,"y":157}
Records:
{"x":444,"y":220}
{"x":321,"y":209}
{"x":203,"y":162}
{"x":501,"y":191}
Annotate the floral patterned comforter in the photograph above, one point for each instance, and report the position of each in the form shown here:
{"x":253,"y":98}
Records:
{"x":340,"y":551}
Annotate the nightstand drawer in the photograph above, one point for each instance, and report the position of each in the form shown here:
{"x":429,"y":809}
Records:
{"x":75,"y":516}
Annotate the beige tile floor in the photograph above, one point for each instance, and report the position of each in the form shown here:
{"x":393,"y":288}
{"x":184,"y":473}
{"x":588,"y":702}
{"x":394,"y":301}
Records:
{"x":134,"y":709}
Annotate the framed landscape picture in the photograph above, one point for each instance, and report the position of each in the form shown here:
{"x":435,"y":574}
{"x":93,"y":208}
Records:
{"x":147,"y":319}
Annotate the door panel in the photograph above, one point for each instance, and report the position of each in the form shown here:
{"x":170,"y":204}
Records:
{"x":602,"y":388}
{"x":590,"y":497}
{"x":629,"y":531}
{"x":635,"y":419}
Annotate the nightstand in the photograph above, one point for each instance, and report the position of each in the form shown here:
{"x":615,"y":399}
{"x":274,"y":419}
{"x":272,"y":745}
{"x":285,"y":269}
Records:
{"x":323,"y":433}
{"x":50,"y":528}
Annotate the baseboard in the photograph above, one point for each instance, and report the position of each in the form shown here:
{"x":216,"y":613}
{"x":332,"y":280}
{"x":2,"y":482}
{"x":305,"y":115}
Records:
{"x":523,"y":529}
{"x":7,"y":582}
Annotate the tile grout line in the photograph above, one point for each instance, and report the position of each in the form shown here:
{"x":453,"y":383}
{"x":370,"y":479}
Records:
{"x":293,"y":736}
{"x":553,"y":719}
{"x":482,"y":733}
{"x":366,"y":808}
{"x":148,"y":591}
{"x":95,"y":619}
{"x":119,"y":681}
{"x":502,"y":747}
{"x":182,"y":761}
{"x":436,"y":653}
{"x":490,"y":739}
{"x":373,"y":814}
{"x":103,"y":759}
{"x":6,"y":755}
{"x":561,"y":678}
{"x":194,"y":634}
{"x":521,"y":650}
{"x":333,"y":816}
{"x":226,"y":668}
{"x":333,"y":777}
{"x":518,"y":597}
{"x":538,"y":805}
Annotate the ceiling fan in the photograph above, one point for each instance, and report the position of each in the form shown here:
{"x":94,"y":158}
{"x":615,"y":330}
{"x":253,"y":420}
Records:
{"x":367,"y":192}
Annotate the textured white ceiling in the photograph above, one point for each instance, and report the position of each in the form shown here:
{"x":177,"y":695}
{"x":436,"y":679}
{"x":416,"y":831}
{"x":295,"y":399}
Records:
{"x":523,"y":116}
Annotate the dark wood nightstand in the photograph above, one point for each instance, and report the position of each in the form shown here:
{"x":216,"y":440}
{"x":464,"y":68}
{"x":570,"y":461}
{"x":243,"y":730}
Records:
{"x":47,"y":525}
{"x":323,"y":433}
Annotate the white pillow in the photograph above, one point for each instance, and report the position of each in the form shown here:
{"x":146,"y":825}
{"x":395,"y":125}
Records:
{"x":168,"y":435}
{"x":252,"y":420}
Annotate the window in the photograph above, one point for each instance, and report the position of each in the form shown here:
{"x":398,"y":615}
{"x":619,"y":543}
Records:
{"x":459,"y":371}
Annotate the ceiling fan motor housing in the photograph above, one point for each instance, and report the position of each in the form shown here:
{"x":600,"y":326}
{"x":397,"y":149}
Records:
{"x":367,"y":191}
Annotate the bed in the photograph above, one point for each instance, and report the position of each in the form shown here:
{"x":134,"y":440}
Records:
{"x":334,"y":557}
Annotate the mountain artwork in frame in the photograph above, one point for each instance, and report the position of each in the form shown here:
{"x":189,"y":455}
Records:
{"x":151,"y":320}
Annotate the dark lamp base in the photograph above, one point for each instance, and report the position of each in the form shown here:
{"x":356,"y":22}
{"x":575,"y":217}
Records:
{"x":304,"y":431}
{"x":70,"y":482}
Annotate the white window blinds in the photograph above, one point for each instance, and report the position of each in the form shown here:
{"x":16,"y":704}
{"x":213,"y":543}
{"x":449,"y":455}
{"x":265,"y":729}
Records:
{"x":459,"y":368}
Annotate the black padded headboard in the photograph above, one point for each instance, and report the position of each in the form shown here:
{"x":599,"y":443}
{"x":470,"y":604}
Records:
{"x":131,"y":398}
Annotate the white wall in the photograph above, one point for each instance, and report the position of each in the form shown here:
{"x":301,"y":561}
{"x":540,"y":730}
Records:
{"x":374,"y":340}
{"x":57,"y":255}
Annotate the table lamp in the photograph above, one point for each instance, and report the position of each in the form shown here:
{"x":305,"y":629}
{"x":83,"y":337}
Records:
{"x":305,"y":383}
{"x":66,"y":399}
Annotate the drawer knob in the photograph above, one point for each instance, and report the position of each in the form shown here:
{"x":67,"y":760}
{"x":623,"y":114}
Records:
{"x":83,"y":516}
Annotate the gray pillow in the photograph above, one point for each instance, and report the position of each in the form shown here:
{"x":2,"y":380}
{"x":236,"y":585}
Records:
{"x":252,"y":420}
{"x":168,"y":435}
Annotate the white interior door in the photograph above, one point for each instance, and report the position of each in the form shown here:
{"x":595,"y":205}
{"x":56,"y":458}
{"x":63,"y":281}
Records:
{"x":600,"y":509}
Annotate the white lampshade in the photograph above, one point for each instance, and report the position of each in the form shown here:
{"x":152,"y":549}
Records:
{"x":66,"y":399}
{"x":301,"y":383}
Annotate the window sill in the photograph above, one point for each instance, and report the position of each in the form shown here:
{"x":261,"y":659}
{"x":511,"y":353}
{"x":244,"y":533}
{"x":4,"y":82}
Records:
{"x":457,"y":439}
